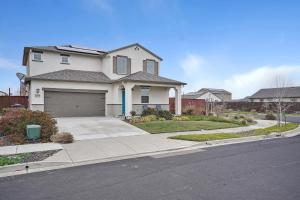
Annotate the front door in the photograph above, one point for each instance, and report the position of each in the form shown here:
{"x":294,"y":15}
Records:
{"x":123,"y":102}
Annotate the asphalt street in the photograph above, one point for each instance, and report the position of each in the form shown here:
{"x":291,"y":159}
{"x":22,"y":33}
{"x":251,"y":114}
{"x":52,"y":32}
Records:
{"x":268,"y":170}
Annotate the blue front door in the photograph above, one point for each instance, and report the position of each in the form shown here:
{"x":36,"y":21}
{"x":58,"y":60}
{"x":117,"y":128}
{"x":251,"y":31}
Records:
{"x":123,"y":102}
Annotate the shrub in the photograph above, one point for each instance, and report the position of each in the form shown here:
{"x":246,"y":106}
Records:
{"x":243,"y":122}
{"x":148,"y":118}
{"x":161,"y":119}
{"x":270,"y":116}
{"x":149,"y":111}
{"x":63,"y":138}
{"x":13,"y":124}
{"x":181,"y":118}
{"x":135,"y":119}
{"x":249,"y":120}
{"x":164,"y":114}
{"x":132,"y":113}
{"x":189,"y":111}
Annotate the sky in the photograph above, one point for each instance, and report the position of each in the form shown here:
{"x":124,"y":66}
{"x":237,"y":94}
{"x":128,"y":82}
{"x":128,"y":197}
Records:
{"x":237,"y":45}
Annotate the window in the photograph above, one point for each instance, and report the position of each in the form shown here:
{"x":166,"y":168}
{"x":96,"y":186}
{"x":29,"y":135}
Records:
{"x":65,"y":59}
{"x":121,"y":65}
{"x":150,"y":66}
{"x":145,"y":94}
{"x":37,"y":56}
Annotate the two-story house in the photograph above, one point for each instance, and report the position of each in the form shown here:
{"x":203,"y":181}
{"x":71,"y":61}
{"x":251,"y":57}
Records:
{"x":72,"y":81}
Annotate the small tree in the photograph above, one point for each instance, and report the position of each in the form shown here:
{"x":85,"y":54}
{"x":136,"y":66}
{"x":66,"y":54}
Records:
{"x":279,"y":94}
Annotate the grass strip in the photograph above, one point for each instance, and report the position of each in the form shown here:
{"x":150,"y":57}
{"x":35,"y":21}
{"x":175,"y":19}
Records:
{"x":12,"y":159}
{"x":221,"y":136}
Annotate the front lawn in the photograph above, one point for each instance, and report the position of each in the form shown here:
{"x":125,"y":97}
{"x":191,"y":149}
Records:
{"x":176,"y":126}
{"x":221,"y":136}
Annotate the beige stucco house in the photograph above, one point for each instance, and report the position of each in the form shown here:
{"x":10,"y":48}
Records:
{"x":209,"y":95}
{"x":71,"y":81}
{"x":285,"y":94}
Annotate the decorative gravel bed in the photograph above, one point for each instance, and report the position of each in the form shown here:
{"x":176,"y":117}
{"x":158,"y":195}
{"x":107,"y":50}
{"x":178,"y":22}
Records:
{"x":26,"y":157}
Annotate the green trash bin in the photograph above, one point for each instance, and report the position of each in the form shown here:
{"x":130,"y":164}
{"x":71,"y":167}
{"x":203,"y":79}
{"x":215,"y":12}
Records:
{"x":33,"y":132}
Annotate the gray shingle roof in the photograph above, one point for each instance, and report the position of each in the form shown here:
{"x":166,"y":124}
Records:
{"x":150,"y":78}
{"x":213,"y":90}
{"x":73,"y":75}
{"x":287,"y":92}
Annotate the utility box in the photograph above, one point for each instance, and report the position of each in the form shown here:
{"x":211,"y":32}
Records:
{"x":33,"y":132}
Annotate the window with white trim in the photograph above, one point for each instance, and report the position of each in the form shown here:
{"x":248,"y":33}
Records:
{"x":65,"y":59}
{"x":150,"y":64}
{"x":145,"y":94}
{"x":37,"y":56}
{"x":122,"y":65}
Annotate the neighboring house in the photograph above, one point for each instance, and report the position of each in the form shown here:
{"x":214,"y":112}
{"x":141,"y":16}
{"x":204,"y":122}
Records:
{"x":209,"y":94}
{"x":71,"y":81}
{"x":287,"y":94}
{"x":3,"y":93}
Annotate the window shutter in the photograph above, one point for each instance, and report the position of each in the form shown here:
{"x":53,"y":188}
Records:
{"x":115,"y":64}
{"x":128,"y":65}
{"x":144,"y":65}
{"x":156,"y":68}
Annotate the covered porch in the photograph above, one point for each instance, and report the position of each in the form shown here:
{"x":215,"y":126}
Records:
{"x":138,"y":96}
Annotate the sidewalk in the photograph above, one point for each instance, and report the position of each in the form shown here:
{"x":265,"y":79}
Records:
{"x":99,"y":150}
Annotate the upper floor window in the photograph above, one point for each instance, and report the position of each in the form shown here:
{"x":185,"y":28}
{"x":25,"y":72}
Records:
{"x":65,"y":59}
{"x":37,"y":56}
{"x":121,"y":65}
{"x":150,"y":66}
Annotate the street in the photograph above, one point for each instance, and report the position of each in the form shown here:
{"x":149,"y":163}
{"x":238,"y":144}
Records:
{"x":267,"y":169}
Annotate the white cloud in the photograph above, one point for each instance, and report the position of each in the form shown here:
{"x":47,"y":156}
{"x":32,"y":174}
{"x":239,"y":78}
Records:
{"x":200,"y":72}
{"x":7,"y":64}
{"x":245,"y":84}
{"x":191,"y":64}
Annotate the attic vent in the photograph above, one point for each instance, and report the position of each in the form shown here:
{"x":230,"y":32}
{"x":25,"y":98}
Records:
{"x":137,"y":48}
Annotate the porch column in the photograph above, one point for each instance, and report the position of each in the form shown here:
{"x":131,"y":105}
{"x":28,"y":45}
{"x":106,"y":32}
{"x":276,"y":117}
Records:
{"x":178,"y":100}
{"x":128,"y":98}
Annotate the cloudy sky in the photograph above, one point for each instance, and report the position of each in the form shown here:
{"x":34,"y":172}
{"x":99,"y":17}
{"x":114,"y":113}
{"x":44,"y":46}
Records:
{"x":237,"y":45}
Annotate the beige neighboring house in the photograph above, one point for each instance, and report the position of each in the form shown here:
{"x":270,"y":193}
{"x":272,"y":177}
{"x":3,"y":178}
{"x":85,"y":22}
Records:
{"x":209,"y":94}
{"x":288,"y":94}
{"x":73,"y":81}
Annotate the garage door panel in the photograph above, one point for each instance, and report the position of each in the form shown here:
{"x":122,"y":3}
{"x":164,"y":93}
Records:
{"x":74,"y":104}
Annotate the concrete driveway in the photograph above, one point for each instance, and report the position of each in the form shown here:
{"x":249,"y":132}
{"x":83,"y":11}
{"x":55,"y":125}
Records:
{"x":85,"y":128}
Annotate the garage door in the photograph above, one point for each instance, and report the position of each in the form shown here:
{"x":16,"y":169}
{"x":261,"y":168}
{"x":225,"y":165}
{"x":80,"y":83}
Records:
{"x":74,"y":104}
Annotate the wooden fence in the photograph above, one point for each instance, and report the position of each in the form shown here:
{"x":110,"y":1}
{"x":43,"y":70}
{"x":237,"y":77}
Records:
{"x":9,"y":101}
{"x":259,"y":106}
{"x":197,"y":105}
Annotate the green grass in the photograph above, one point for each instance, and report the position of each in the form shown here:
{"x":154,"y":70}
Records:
{"x":211,"y":118}
{"x":221,"y":136}
{"x":13,"y":159}
{"x":176,"y":126}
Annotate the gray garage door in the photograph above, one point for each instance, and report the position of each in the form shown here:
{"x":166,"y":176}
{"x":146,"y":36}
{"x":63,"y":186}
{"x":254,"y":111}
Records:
{"x":74,"y":104}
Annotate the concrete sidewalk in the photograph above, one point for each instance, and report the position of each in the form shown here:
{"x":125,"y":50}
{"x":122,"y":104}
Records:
{"x":26,"y":148}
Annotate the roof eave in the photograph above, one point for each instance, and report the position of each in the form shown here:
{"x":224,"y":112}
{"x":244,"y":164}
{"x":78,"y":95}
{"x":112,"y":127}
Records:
{"x":154,"y":82}
{"x":136,"y":44}
{"x":28,"y":79}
